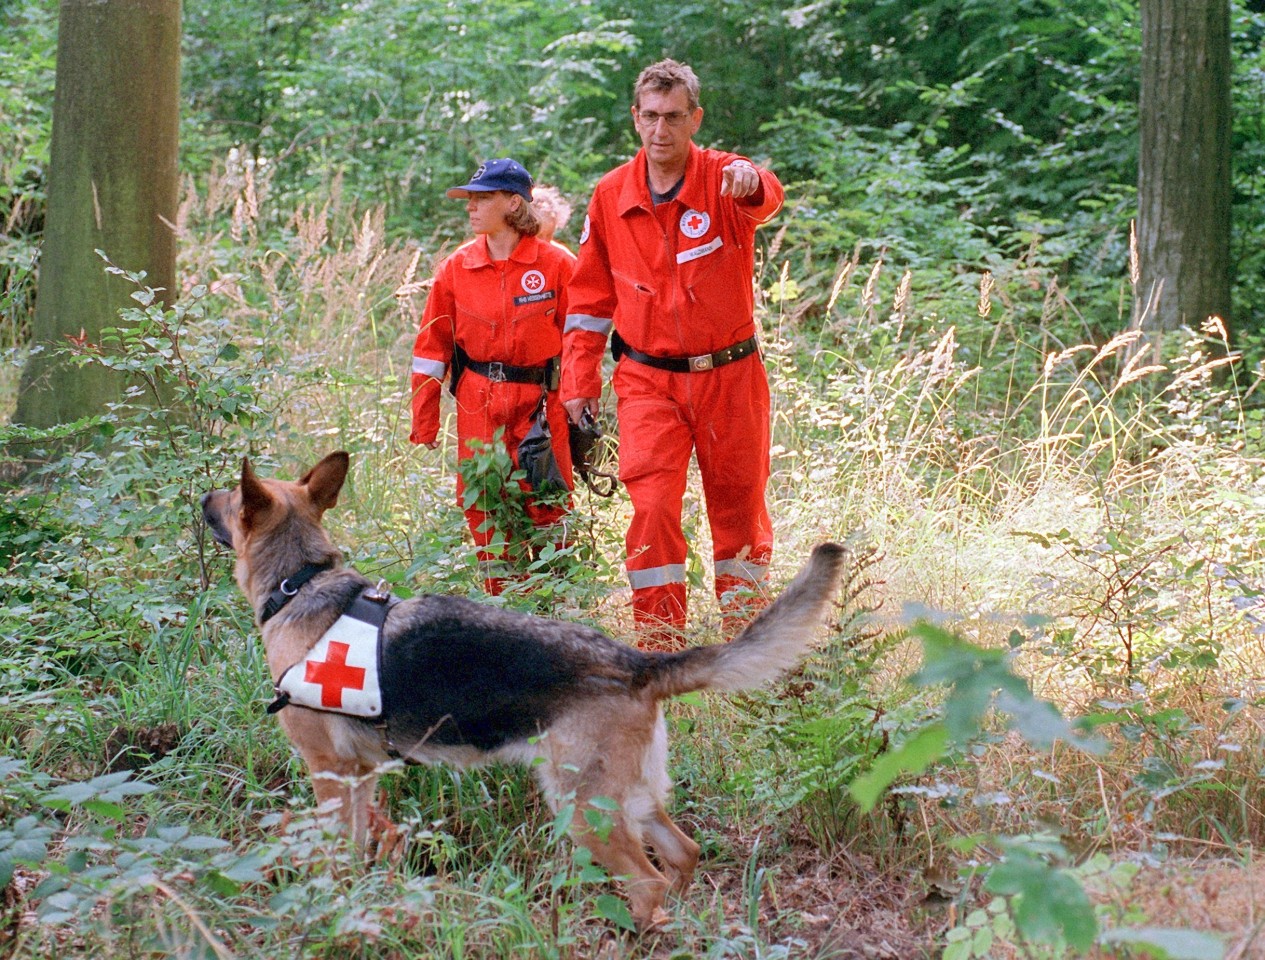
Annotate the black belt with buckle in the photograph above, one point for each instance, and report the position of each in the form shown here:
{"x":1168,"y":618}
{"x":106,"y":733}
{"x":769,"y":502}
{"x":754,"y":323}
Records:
{"x":706,"y":361}
{"x":547,"y":375}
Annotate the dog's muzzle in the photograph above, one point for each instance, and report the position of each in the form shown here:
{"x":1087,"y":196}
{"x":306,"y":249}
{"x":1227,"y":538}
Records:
{"x":212,"y":519}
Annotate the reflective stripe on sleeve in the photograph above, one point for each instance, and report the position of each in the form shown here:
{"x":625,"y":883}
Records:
{"x":582,"y":321}
{"x":430,"y":368}
{"x":742,"y":569}
{"x":657,"y":576}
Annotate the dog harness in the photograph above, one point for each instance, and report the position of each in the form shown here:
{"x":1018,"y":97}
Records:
{"x":340,"y":674}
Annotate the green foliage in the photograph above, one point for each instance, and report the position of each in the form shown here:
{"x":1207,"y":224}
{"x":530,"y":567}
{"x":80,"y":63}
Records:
{"x":26,"y":63}
{"x":976,"y":679}
{"x":552,"y":566}
{"x":434,"y":89}
{"x":1048,"y":905}
{"x":824,"y":727}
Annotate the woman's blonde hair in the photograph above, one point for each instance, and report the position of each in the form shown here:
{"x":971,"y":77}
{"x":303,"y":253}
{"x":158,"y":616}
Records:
{"x":549,"y":203}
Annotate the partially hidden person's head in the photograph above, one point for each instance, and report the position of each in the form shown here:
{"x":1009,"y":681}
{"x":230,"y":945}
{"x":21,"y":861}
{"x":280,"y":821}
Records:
{"x":552,"y":210}
{"x":666,"y":111}
{"x":499,"y":195}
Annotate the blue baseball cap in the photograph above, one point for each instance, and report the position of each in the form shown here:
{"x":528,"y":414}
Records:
{"x":499,"y":174}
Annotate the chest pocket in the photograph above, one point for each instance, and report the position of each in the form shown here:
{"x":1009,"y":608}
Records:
{"x":706,"y":263}
{"x":479,"y":319}
{"x":636,"y":300}
{"x":535,"y":325}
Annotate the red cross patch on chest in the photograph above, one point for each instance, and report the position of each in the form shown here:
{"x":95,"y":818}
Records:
{"x":695,"y":223}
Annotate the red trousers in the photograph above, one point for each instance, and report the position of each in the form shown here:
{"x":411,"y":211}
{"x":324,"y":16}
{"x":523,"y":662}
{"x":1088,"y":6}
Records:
{"x":722,"y":416}
{"x":482,"y":408}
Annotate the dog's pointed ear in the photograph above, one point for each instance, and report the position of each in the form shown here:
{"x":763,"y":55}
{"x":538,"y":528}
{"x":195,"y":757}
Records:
{"x":255,"y":496}
{"x":325,"y":480}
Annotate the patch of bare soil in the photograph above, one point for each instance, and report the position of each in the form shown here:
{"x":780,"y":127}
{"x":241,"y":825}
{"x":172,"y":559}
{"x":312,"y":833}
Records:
{"x":842,"y":908}
{"x":1223,"y":898}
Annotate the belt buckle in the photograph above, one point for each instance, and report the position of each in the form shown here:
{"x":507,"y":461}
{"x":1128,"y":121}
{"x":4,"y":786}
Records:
{"x":699,"y":364}
{"x":496,"y":371}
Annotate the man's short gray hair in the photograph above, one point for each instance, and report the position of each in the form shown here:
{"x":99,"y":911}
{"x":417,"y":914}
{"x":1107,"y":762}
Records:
{"x":664,"y":77}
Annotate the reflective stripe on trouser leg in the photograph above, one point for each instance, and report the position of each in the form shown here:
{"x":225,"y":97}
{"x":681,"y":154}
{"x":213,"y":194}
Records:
{"x":659,"y":606}
{"x":732,"y":447}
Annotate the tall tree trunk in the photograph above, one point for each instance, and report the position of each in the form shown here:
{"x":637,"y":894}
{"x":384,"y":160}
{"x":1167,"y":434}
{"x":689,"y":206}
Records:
{"x":112,"y":186}
{"x":1184,"y":187}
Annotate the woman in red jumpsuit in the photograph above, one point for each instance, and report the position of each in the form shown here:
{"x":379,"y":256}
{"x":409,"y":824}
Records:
{"x":494,"y":321}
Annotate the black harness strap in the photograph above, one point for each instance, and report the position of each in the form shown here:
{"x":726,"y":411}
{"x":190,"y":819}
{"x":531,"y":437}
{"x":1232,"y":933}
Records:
{"x":288,"y":588}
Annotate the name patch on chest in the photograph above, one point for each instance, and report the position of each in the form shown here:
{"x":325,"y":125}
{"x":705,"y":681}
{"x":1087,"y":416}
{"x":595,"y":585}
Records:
{"x":340,"y":673}
{"x":533,"y":297}
{"x":685,"y":256}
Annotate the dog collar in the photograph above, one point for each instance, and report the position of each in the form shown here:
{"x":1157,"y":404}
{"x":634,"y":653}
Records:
{"x":288,"y":588}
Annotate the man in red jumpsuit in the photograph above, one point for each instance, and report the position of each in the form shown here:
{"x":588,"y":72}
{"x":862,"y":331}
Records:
{"x":494,"y":319}
{"x":665,"y":264}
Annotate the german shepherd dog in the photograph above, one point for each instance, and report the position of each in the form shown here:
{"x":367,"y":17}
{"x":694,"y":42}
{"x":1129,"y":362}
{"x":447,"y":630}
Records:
{"x":463,"y":682}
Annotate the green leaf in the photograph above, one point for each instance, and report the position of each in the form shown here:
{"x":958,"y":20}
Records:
{"x":1166,"y":944}
{"x":614,"y":910}
{"x":1050,"y":902}
{"x":913,"y":756}
{"x":104,"y":808}
{"x":600,"y":822}
{"x":221,"y":885}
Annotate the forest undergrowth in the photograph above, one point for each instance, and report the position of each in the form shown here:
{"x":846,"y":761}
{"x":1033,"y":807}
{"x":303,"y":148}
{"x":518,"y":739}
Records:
{"x":1038,"y":520}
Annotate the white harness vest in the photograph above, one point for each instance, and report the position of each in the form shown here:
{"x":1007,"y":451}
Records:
{"x":340,"y":673}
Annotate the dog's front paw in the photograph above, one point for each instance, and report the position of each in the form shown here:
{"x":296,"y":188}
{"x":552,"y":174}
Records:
{"x":657,"y":921}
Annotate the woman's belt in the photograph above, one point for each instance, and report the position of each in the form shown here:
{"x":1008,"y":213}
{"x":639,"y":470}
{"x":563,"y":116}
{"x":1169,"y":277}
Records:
{"x":706,"y":361}
{"x":547,"y":376}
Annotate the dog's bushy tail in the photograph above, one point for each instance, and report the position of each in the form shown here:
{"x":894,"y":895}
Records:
{"x":771,"y":644}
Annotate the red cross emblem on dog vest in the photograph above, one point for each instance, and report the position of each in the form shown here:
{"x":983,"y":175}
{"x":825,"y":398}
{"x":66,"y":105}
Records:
{"x":340,"y":673}
{"x":335,"y":675}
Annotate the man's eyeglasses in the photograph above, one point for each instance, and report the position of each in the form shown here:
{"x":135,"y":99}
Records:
{"x":648,"y":118}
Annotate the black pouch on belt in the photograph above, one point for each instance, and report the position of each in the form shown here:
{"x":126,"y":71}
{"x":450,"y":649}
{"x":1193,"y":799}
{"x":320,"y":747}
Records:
{"x":535,"y":455}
